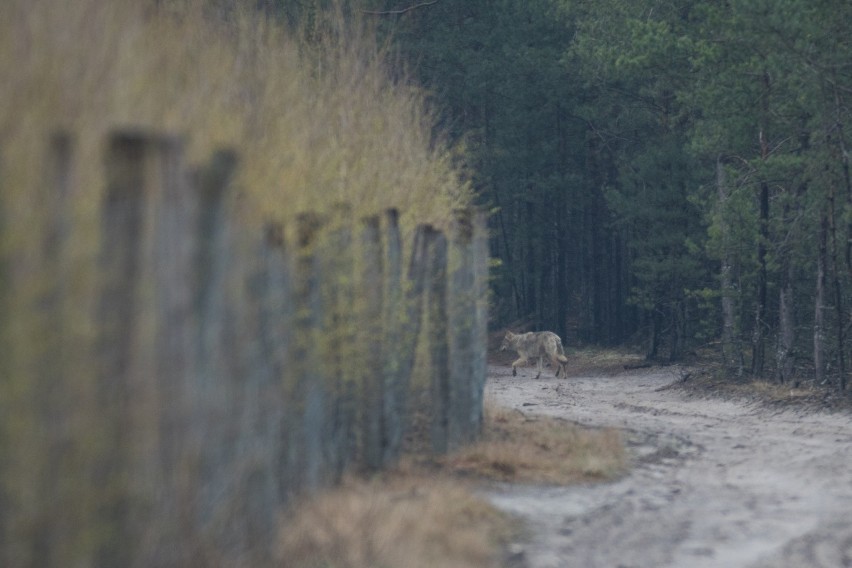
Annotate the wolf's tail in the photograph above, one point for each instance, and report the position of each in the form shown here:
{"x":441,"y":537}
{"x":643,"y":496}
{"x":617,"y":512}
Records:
{"x":561,"y":353}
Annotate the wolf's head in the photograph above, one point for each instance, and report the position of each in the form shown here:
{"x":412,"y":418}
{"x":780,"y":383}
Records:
{"x":507,"y":341}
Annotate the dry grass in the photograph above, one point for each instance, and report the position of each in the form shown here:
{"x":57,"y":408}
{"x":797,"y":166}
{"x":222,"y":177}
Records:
{"x":411,"y":518}
{"x":777,"y":391}
{"x":408,"y":521}
{"x":531,"y":449}
{"x":595,"y":361}
{"x":707,"y":379}
{"x":314,"y":125}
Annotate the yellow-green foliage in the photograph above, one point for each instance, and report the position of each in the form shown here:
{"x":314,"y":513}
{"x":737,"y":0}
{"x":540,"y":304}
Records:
{"x":314,"y":123}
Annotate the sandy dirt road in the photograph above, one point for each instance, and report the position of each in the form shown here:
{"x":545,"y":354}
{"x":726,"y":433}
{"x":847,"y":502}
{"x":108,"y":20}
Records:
{"x":713,"y":482}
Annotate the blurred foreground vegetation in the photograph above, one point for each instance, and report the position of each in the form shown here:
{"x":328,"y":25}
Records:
{"x":316,"y":120}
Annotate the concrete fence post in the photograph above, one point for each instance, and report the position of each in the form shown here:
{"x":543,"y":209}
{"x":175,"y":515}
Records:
{"x":480,"y":326}
{"x":128,"y":396}
{"x":338,"y":289}
{"x":277,"y":338}
{"x":5,"y":364}
{"x":392,"y":329}
{"x":206,"y":440}
{"x":461,"y":308}
{"x":370,"y":299}
{"x":308,"y":387}
{"x":436,"y":313}
{"x":53,"y":395}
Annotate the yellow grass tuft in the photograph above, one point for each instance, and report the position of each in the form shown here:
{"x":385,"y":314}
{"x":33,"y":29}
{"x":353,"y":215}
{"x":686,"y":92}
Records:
{"x":395,"y":522}
{"x":527,"y":449}
{"x":596,"y":361}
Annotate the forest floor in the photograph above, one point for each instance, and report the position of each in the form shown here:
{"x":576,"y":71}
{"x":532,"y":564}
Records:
{"x":719,"y":476}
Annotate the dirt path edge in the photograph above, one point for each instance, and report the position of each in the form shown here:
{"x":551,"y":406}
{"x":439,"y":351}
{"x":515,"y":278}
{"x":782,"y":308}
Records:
{"x":713,"y":482}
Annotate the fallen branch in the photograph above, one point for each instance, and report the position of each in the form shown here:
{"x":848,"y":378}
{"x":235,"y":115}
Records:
{"x":399,"y":11}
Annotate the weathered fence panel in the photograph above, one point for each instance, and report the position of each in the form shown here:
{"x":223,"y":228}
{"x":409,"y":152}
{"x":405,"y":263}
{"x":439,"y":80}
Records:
{"x":235,"y":368}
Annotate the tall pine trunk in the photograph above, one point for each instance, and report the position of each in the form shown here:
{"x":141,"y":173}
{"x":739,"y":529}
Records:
{"x":786,"y":332}
{"x":819,"y":301}
{"x":847,"y":177}
{"x":759,"y":331}
{"x":838,"y":289}
{"x":847,"y":248}
{"x":786,"y":305}
{"x":731,"y":350}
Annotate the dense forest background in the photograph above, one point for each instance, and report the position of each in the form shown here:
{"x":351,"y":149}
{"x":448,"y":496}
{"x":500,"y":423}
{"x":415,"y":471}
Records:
{"x":670,"y":174}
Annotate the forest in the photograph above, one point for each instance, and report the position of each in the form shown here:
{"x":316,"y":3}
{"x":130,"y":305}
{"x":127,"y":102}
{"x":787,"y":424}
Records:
{"x":671,"y":175}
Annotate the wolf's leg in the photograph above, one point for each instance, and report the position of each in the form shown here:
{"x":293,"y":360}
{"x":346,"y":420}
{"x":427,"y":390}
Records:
{"x":520,"y":361}
{"x":557,"y":357}
{"x":539,"y":367}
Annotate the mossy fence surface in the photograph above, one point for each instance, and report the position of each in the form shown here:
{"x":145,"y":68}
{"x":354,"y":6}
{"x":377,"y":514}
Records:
{"x":229,"y":367}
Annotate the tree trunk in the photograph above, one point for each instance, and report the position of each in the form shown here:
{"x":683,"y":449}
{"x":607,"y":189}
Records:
{"x":678,"y":329}
{"x":759,"y":332}
{"x":656,"y":323}
{"x":838,"y":289}
{"x":786,"y":333}
{"x":847,"y":178}
{"x":731,"y":351}
{"x":786,"y":304}
{"x":819,"y":320}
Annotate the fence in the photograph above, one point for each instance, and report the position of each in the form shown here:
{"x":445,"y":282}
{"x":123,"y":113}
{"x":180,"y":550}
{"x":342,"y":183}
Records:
{"x":231,"y":367}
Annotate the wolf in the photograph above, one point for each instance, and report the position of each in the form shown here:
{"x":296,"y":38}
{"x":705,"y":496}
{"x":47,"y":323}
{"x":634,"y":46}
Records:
{"x":536,"y":344}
